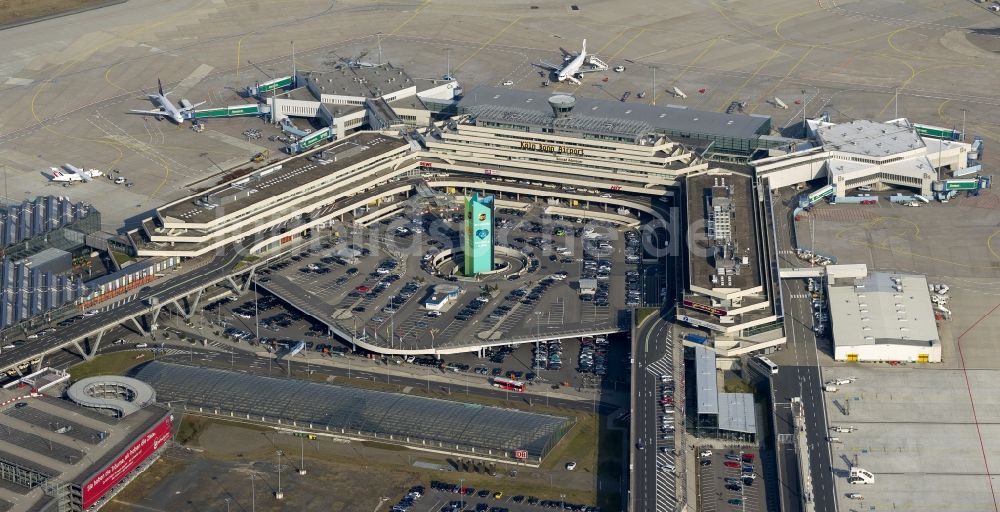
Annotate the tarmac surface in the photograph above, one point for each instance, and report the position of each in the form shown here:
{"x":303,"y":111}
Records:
{"x":897,"y":412}
{"x":67,"y":82}
{"x":70,"y":80}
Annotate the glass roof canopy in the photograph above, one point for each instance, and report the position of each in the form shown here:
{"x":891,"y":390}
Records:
{"x":420,"y":420}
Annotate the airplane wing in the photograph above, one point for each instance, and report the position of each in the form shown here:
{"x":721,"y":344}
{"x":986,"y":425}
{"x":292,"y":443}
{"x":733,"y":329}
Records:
{"x":583,"y":70}
{"x":158,"y":112}
{"x":196,"y":105}
{"x":546,"y":65}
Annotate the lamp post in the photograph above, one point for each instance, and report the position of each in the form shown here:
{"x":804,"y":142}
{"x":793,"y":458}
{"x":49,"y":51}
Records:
{"x":302,"y":461}
{"x":253,"y":495}
{"x":277,"y":493}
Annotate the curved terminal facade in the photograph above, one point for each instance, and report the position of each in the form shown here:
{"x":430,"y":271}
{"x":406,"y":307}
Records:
{"x":499,"y":145}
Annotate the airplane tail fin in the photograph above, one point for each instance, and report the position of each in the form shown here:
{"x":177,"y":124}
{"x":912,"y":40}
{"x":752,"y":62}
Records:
{"x":584,"y":48}
{"x":160,"y":84}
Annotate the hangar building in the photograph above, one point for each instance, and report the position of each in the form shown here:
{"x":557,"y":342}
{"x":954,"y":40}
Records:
{"x":883,"y":317}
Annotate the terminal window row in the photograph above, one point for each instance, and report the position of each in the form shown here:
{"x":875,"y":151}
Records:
{"x":503,"y":147}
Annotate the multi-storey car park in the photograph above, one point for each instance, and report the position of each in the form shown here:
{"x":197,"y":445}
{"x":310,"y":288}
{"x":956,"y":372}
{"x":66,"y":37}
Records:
{"x":76,"y":453}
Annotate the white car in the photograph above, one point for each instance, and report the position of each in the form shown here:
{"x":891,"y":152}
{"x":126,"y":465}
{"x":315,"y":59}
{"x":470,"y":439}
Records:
{"x":570,"y":466}
{"x":706,"y":453}
{"x":619,"y":69}
{"x":433,"y":313}
{"x":508,"y":82}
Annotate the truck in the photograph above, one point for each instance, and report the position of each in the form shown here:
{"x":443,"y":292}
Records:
{"x":695,"y":338}
{"x":830,"y":389}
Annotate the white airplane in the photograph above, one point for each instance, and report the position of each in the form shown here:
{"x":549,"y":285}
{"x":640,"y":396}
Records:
{"x":70,"y":173}
{"x":166,"y":107}
{"x":574,"y":66}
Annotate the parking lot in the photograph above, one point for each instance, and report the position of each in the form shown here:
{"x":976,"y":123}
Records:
{"x":729,"y":480}
{"x":377,"y":294}
{"x":447,"y":496}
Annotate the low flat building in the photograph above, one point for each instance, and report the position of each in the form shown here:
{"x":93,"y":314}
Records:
{"x":883,"y":317}
{"x":720,"y":414}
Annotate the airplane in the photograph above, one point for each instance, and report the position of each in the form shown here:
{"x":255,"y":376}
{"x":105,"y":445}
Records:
{"x":70,"y":173}
{"x":166,"y":107}
{"x":574,"y":66}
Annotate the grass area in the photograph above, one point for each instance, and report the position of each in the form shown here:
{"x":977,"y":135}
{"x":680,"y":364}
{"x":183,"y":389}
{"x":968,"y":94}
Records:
{"x":383,"y":446}
{"x":357,"y":463}
{"x":120,"y":258}
{"x":12,"y":11}
{"x":246,"y":262}
{"x":736,"y":385}
{"x":115,"y":363}
{"x":642,"y":313}
{"x":192,"y":426}
{"x":579,"y":444}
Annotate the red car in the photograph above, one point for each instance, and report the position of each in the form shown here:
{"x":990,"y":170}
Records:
{"x":748,"y":458}
{"x":732,"y":464}
{"x":363,"y":289}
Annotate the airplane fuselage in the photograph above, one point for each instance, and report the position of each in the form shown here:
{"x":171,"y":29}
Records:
{"x":169,"y":110}
{"x":571,"y":68}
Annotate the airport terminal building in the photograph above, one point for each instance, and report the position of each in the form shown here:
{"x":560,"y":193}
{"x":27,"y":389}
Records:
{"x":728,"y":292}
{"x":868,"y":155}
{"x":504,"y":142}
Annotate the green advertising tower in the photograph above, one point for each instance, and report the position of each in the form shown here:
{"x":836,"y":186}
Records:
{"x":478,"y":234}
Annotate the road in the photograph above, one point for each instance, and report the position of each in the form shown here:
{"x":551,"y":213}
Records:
{"x":652,"y":489}
{"x":800,"y":376}
{"x":190,"y":282}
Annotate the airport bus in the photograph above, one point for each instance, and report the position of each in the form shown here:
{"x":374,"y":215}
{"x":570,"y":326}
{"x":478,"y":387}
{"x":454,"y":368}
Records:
{"x":765,"y":365}
{"x":814,"y":198}
{"x":508,"y":384}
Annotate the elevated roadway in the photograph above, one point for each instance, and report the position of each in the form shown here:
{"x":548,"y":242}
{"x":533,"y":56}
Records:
{"x":143,"y":309}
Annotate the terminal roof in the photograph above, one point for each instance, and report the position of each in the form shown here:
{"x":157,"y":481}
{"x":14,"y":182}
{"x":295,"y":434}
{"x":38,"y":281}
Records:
{"x":276,"y":180}
{"x":666,"y":118}
{"x":369,"y":82}
{"x":706,"y":263}
{"x":870,"y":138}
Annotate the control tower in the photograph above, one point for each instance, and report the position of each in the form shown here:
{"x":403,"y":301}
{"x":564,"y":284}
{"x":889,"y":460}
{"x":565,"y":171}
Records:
{"x":478,"y":235}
